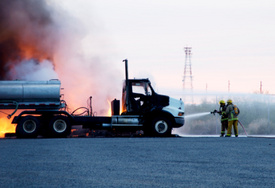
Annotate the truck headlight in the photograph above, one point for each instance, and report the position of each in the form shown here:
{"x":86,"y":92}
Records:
{"x":180,"y":113}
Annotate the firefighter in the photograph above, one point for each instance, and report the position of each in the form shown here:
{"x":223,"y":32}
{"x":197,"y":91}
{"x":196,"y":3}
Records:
{"x":232,"y":111}
{"x":224,"y":119}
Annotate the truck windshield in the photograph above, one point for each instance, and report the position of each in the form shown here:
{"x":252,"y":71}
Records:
{"x":141,"y":88}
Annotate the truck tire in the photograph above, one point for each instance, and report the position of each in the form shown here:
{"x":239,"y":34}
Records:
{"x":28,"y":127}
{"x":161,"y":126}
{"x":59,"y":126}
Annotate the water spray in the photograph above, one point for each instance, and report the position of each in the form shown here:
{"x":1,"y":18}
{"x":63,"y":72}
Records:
{"x":196,"y":115}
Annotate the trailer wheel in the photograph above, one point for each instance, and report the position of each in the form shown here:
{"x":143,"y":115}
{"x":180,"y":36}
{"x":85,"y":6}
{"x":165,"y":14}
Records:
{"x":28,"y":127}
{"x":59,"y":126}
{"x":161,"y":126}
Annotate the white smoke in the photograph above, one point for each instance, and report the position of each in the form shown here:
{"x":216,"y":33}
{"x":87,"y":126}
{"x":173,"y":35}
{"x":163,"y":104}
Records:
{"x":32,"y":70}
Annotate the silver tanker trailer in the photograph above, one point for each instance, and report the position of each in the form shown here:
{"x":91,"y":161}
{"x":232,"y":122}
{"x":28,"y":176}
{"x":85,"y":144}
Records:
{"x":45,"y":113}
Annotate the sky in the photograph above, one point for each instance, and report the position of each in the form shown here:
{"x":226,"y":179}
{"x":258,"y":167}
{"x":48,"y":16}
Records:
{"x":231,"y":40}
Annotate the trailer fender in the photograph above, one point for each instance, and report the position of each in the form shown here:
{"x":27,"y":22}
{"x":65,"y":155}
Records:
{"x":42,"y":114}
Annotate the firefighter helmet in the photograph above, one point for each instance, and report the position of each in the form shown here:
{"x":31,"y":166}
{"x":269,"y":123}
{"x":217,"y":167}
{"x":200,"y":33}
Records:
{"x":222,"y":102}
{"x":229,"y":101}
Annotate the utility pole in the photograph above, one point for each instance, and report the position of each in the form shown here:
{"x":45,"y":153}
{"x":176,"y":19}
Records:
{"x":187,"y":75}
{"x":261,"y":87}
{"x":187,"y":80}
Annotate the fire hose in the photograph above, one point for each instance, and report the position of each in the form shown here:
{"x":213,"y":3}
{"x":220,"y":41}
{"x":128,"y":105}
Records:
{"x":242,"y":127}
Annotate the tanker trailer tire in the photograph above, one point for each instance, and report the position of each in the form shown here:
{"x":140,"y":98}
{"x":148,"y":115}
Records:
{"x":161,"y":126}
{"x":28,"y":127}
{"x":59,"y":126}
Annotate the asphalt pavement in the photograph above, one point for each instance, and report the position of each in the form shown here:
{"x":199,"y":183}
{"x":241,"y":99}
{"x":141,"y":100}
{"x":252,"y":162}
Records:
{"x":138,"y":162}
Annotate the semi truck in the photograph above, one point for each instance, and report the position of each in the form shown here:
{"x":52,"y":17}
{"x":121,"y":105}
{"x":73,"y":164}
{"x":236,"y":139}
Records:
{"x":43,"y":112}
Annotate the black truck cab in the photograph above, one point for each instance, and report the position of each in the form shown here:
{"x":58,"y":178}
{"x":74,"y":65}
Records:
{"x":139,"y":97}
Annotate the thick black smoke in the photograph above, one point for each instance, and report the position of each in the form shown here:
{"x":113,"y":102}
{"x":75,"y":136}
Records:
{"x":39,"y":40}
{"x":27,"y":32}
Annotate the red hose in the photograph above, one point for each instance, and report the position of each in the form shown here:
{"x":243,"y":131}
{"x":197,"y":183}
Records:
{"x":242,"y":127}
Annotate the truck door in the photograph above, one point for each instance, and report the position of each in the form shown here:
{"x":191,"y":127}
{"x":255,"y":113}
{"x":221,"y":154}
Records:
{"x":138,"y":93}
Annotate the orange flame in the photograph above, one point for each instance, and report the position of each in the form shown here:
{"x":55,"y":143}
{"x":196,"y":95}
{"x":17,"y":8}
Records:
{"x":29,"y":52}
{"x":6,"y":126}
{"x":110,"y":108}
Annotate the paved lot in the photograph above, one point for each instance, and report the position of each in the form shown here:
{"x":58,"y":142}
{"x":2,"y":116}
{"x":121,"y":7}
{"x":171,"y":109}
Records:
{"x":138,"y":162}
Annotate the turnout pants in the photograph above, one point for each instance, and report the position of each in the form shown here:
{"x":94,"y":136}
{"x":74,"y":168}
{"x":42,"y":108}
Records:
{"x":224,"y":125}
{"x":233,"y":123}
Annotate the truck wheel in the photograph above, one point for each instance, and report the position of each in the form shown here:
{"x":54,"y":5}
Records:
{"x":59,"y":126}
{"x":28,"y":127}
{"x":161,"y":126}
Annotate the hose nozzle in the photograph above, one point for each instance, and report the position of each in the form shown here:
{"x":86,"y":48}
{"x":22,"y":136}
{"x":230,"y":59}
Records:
{"x":214,"y":111}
